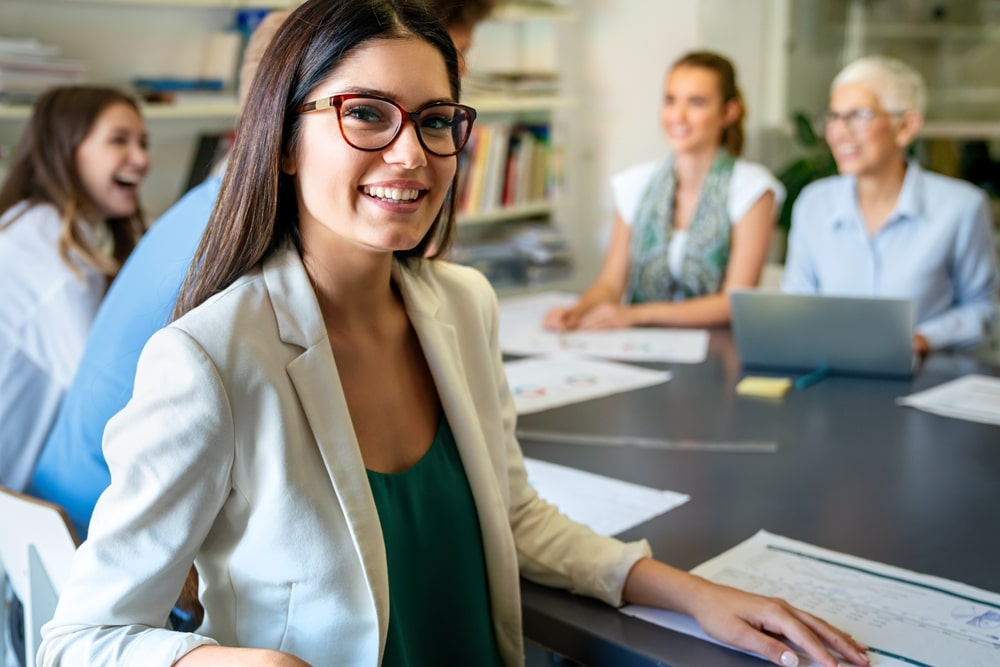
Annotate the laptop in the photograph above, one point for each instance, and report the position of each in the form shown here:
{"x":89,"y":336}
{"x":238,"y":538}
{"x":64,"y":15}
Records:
{"x":799,"y":332}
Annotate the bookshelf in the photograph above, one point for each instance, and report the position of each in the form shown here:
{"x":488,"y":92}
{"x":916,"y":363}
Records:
{"x":514,"y":194}
{"x":159,"y":38}
{"x":167,"y":38}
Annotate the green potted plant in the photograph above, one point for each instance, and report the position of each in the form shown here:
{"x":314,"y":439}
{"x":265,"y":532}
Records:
{"x":815,"y":162}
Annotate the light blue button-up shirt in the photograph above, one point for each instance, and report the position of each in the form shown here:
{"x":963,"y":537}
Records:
{"x":937,"y":249}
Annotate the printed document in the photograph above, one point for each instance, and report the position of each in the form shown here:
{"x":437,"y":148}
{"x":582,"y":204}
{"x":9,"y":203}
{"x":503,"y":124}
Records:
{"x":973,"y":397}
{"x":608,"y":506}
{"x":543,"y":383}
{"x":905,"y":618}
{"x":521,"y":333}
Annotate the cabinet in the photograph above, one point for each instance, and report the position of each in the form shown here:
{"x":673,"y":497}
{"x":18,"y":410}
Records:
{"x":120,"y":40}
{"x":515,"y":182}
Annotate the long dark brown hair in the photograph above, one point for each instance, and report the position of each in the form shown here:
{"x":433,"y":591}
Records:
{"x":732,"y":134}
{"x":257,"y":211}
{"x":44,"y":171}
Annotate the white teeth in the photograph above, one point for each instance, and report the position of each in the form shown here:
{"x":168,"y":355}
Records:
{"x":130,"y":180}
{"x":391,"y":194}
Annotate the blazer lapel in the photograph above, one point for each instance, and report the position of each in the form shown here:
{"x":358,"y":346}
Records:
{"x":440,"y":343}
{"x":316,"y":381}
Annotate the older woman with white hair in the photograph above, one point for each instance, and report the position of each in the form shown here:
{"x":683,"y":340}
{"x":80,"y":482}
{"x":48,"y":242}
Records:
{"x":885,"y":227}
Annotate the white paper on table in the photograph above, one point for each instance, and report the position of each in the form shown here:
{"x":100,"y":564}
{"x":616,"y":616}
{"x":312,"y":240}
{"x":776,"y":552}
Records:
{"x":521,"y":333}
{"x":972,"y":397}
{"x":905,"y":618}
{"x":608,"y":506}
{"x":543,"y":383}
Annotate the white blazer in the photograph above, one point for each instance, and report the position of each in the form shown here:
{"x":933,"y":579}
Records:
{"x":237,"y":452}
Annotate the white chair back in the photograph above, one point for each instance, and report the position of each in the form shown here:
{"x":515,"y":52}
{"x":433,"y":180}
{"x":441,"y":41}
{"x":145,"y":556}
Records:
{"x":37,"y":545}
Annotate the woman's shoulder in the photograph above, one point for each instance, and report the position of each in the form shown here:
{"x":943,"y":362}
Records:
{"x":750,"y":181}
{"x":32,"y":223}
{"x":638,"y":173}
{"x":452,"y":280}
{"x":456,"y":288}
{"x":29,"y":246}
{"x":228,"y":311}
{"x":749,"y":170}
{"x":939,"y":188}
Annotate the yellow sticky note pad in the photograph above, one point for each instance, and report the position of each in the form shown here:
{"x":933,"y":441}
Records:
{"x":767,"y":387}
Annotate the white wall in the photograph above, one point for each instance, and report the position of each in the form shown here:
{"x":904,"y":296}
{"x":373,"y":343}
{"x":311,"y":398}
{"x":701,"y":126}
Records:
{"x":628,"y":45}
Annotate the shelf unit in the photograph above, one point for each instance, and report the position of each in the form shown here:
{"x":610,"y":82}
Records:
{"x":167,"y":36}
{"x":522,"y":39}
{"x":120,"y":40}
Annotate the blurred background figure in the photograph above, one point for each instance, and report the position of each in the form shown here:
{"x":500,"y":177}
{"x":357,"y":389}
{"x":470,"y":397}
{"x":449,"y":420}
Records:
{"x":885,"y":226}
{"x":69,"y":216}
{"x":691,"y":226}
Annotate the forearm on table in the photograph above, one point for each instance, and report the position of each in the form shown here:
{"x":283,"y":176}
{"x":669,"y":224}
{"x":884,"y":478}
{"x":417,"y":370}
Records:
{"x":657,"y":584}
{"x":703,"y":311}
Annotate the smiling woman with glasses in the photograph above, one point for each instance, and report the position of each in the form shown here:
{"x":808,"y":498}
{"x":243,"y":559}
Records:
{"x":885,"y":226}
{"x":326,"y":430}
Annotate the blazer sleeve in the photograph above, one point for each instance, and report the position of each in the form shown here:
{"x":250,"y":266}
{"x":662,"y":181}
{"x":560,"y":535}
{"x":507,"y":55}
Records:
{"x":551,"y":548}
{"x":170,"y":452}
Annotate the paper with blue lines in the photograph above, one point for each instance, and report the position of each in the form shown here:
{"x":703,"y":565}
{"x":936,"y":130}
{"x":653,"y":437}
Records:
{"x":905,"y":618}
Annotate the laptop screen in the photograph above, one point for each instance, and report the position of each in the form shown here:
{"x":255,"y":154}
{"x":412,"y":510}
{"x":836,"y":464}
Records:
{"x":858,"y":335}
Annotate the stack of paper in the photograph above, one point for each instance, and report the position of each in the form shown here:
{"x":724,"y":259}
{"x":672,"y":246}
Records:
{"x":973,"y":397}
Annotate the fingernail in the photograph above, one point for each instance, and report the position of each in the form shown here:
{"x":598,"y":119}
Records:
{"x":789,"y":659}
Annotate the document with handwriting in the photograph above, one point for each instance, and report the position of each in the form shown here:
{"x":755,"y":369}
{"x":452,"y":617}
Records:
{"x":905,"y":618}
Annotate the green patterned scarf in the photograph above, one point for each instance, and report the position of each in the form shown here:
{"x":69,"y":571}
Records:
{"x":707,"y":251}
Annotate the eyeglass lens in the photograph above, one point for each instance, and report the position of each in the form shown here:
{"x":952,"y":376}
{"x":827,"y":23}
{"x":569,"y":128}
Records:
{"x":856,"y":120}
{"x":372,"y":124}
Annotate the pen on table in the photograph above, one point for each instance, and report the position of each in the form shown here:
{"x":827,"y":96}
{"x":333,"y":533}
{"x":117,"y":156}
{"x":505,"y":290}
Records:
{"x":812,"y":378}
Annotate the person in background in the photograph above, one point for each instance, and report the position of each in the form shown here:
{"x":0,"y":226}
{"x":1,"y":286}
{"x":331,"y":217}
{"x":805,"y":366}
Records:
{"x":71,"y":471}
{"x":69,"y":216}
{"x":689,"y":227}
{"x":256,"y":443}
{"x":885,"y":227}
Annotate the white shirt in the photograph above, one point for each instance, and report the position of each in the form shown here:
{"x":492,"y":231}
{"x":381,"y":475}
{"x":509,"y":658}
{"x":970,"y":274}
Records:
{"x":749,"y":182}
{"x":45,"y":315}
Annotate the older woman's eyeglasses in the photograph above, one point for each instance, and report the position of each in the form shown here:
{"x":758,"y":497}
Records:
{"x":371,"y":123}
{"x":857,"y":120}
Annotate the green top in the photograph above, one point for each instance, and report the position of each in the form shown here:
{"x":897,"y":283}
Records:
{"x":439,"y":601}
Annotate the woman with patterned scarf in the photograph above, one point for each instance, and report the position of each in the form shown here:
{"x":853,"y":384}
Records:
{"x":689,"y":227}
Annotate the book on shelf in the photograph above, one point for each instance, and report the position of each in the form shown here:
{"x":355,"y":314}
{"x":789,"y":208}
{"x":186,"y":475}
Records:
{"x":184,"y":91}
{"x":505,"y":164}
{"x":28,"y":67}
{"x":27,"y":48}
{"x":510,"y":83}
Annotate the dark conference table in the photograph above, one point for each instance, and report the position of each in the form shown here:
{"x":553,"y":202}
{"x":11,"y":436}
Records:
{"x":853,"y":472}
